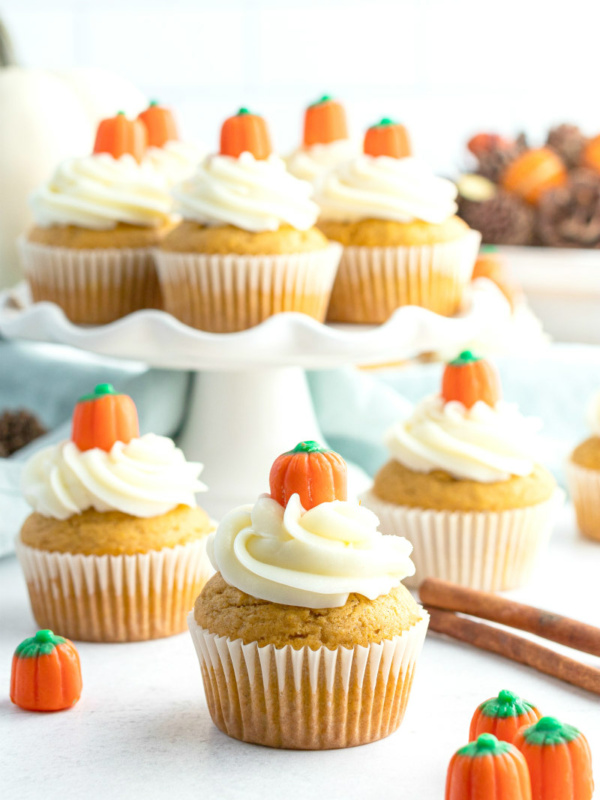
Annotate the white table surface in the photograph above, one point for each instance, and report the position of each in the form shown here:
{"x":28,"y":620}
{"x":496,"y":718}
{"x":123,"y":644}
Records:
{"x":142,"y":730}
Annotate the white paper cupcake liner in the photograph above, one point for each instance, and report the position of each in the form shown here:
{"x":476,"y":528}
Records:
{"x":372,"y":282}
{"x":584,"y":488}
{"x":307,"y":699}
{"x":115,"y":598}
{"x":224,"y":293}
{"x":488,"y":550}
{"x":92,"y":286}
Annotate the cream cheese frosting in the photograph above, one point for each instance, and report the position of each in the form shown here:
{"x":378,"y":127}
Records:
{"x":175,"y":160}
{"x":482,"y":443}
{"x":400,"y":189}
{"x":313,"y":558}
{"x":99,"y":191}
{"x":313,"y":163}
{"x":252,"y":194}
{"x":146,"y":477}
{"x":594,"y":414}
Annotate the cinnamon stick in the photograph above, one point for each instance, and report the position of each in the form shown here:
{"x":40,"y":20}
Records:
{"x":569,"y":632}
{"x":516,"y":648}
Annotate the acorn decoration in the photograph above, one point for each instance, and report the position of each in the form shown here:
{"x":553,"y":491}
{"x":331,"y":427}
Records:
{"x":159,"y":123}
{"x":324,"y":122}
{"x":387,"y":138}
{"x":104,"y":417}
{"x":488,"y":768}
{"x":245,"y":133}
{"x":503,"y":716}
{"x":470,"y":379}
{"x":317,"y":474}
{"x":121,"y":136}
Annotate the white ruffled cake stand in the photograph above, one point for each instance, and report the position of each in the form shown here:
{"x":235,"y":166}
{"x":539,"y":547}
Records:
{"x":250,"y":399}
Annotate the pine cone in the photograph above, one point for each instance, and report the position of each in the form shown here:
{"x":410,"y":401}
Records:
{"x":18,"y":428}
{"x":503,"y":219}
{"x":568,"y":141}
{"x":494,"y":161}
{"x":570,"y":215}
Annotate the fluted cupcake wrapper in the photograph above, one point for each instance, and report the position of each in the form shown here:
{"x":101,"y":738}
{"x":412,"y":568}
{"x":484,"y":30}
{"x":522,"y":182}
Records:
{"x":488,"y":550}
{"x":307,"y":699}
{"x":109,"y":598}
{"x":92,"y":286}
{"x":372,"y":282}
{"x":584,"y":487}
{"x":225,"y":293}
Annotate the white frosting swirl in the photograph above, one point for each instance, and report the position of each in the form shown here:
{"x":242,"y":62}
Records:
{"x":313,"y":163}
{"x":400,"y":189}
{"x":175,"y":160}
{"x":314,"y":558}
{"x":480,"y":443}
{"x":253,"y":194}
{"x":99,"y":191}
{"x":594,"y":414}
{"x":146,"y":477}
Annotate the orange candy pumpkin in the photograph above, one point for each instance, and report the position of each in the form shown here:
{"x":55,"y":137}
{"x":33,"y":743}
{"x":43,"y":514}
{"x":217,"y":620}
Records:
{"x":46,"y":673}
{"x":591,"y":154}
{"x":318,"y":475}
{"x":387,"y":138}
{"x":488,"y":768}
{"x":324,"y":122}
{"x":160,"y":124}
{"x":469,"y":379}
{"x":483,"y":143}
{"x":119,"y":136}
{"x":533,"y":173}
{"x":245,"y":133}
{"x":104,"y":417}
{"x":559,"y":760}
{"x":503,"y":716}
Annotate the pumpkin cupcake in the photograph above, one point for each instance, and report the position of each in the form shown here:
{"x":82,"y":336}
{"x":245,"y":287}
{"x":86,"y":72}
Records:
{"x":403,"y":244}
{"x":583,"y":476}
{"x":173,"y":158}
{"x":115,"y":549}
{"x":96,"y":223}
{"x":306,"y":637}
{"x":247,"y":247}
{"x":463,"y":485}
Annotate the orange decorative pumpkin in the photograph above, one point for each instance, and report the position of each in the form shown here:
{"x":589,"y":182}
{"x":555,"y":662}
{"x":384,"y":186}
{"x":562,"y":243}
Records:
{"x":533,"y":173}
{"x":46,"y":673}
{"x":503,"y":716}
{"x":245,"y":133}
{"x":318,"y":475}
{"x":483,"y":143}
{"x":119,"y":136}
{"x":591,"y":154}
{"x":324,"y":122}
{"x":488,"y":768}
{"x":469,"y":379}
{"x":160,"y":124}
{"x":491,"y":266}
{"x":387,"y":138}
{"x":104,"y":417}
{"x":559,"y":760}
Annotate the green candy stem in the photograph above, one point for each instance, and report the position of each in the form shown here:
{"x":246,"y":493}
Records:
{"x":464,"y":358}
{"x":242,"y":112}
{"x":485,"y":745}
{"x":550,"y":731}
{"x":507,"y":704}
{"x":384,"y":122}
{"x":488,"y":248}
{"x":100,"y":390}
{"x":326,"y":98}
{"x":153,"y":103}
{"x":120,"y":113}
{"x":308,"y":447}
{"x":42,"y":644}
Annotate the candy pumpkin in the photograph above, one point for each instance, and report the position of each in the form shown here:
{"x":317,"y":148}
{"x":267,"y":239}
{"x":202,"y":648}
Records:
{"x":491,"y":266}
{"x":160,"y":124}
{"x":533,"y":173}
{"x":483,"y":143}
{"x":488,"y":768}
{"x":387,"y":138}
{"x":119,"y":136}
{"x":559,"y":760}
{"x":503,"y":716}
{"x":46,"y":673}
{"x":245,"y":133}
{"x":104,"y":417}
{"x":469,"y":379}
{"x":324,"y":122}
{"x":318,"y":475}
{"x":591,"y":154}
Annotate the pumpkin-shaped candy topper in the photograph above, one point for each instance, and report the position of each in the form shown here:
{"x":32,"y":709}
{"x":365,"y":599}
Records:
{"x":318,"y":475}
{"x":469,"y":379}
{"x":387,"y":138}
{"x":488,"y":768}
{"x":160,"y":124}
{"x":559,"y":760}
{"x":104,"y":417}
{"x":245,"y":133}
{"x":46,"y":673}
{"x":119,"y":136}
{"x":533,"y":173}
{"x":503,"y":716}
{"x":324,"y":122}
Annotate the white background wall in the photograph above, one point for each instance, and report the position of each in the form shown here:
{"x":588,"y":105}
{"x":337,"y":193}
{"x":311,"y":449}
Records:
{"x":445,"y":67}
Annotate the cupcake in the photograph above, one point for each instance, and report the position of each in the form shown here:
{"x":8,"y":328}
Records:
{"x":306,"y":637}
{"x":403,"y":244}
{"x":247,"y":247}
{"x":463,"y":485}
{"x":583,"y":476}
{"x":115,"y":549}
{"x":173,"y":158}
{"x":96,"y":222}
{"x":325,"y":142}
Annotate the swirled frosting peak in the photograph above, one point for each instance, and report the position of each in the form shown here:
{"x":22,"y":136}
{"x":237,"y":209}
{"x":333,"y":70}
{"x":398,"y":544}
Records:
{"x":252,"y":194}
{"x":481,"y":443}
{"x":400,"y":189}
{"x":176,"y":160}
{"x":314,"y":558}
{"x":313,"y":163}
{"x":146,"y":477}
